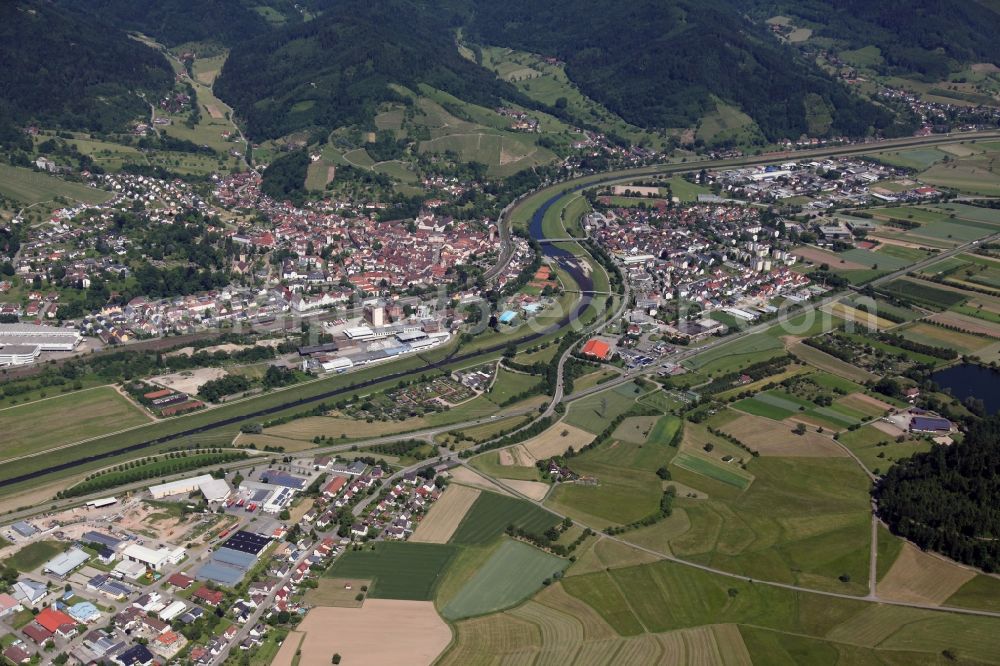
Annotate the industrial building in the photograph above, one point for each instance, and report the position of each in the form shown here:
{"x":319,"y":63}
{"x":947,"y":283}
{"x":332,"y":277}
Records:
{"x":152,"y":559}
{"x":214,"y":490}
{"x":21,"y":344}
{"x":63,"y":564}
{"x":230,"y":563}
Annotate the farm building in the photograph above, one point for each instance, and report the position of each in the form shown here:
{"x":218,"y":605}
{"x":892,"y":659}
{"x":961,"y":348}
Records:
{"x":930,"y":424}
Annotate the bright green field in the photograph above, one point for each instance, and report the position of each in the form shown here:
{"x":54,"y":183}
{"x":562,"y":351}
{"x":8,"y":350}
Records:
{"x":399,"y":570}
{"x":509,"y":384}
{"x":916,"y":158}
{"x":663,"y":596}
{"x":776,"y":404}
{"x":713,"y":470}
{"x":627,"y":486}
{"x":877,"y":450}
{"x":492,"y":513}
{"x":802,"y":520}
{"x":664,"y":430}
{"x":980,"y":592}
{"x":514,"y":572}
{"x":67,"y":418}
{"x":923,"y":293}
{"x":738,"y":353}
{"x":29,"y":187}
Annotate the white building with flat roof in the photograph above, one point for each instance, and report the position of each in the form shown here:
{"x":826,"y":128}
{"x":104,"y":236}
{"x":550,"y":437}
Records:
{"x":152,"y":559}
{"x":214,"y":490}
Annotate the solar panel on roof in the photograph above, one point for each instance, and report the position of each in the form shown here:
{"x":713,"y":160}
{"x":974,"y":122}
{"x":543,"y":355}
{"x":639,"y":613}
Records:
{"x":247,"y":542}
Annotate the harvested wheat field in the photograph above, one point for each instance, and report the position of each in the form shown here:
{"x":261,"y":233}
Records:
{"x":635,"y":429}
{"x":865,"y":402}
{"x":286,"y":655}
{"x":888,"y":428}
{"x":334,"y":426}
{"x":382,"y":631}
{"x":556,"y":440}
{"x":775,"y":438}
{"x":340,"y":592}
{"x":470,"y":477}
{"x":818,"y":256}
{"x":536,"y":490}
{"x":966,"y":324}
{"x":922,"y":578}
{"x":516,"y":456}
{"x":445,"y":515}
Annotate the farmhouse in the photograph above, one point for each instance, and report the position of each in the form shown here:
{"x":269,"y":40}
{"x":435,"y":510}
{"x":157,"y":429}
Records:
{"x":8,"y":605}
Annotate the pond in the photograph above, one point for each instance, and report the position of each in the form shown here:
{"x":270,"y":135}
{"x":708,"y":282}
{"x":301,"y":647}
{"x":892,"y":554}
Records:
{"x":970,"y":379}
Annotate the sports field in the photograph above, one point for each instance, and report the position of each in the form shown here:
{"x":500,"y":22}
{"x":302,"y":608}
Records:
{"x":51,"y":422}
{"x":514,"y":572}
{"x":492,"y":513}
{"x":398,"y":570}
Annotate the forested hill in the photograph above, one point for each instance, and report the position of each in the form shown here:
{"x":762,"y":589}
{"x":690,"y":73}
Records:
{"x":948,"y":499}
{"x":64,"y":69}
{"x":336,"y":69}
{"x":175,"y":22}
{"x":659,"y":64}
{"x":922,"y":37}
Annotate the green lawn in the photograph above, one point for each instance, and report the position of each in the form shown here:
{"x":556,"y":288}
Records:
{"x":802,"y":520}
{"x":877,"y":450}
{"x":398,"y":570}
{"x":923,"y":293}
{"x":594,"y":412}
{"x":65,"y":418}
{"x":492,"y":513}
{"x":713,"y":470}
{"x":514,"y":572}
{"x":664,"y":430}
{"x":981,"y":592}
{"x":28,"y":187}
{"x":35,"y":555}
{"x":489,"y":463}
{"x":627,"y":488}
{"x":509,"y":384}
